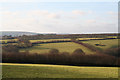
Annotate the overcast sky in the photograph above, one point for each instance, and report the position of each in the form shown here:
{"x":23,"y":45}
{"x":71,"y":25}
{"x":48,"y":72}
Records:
{"x":59,"y":17}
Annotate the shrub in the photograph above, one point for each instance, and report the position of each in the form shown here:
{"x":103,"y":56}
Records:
{"x":10,"y":48}
{"x":113,"y":52}
{"x":78,"y":52}
{"x":54,"y":51}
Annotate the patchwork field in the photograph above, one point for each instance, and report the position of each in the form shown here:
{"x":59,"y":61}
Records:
{"x":111,"y":43}
{"x":56,"y":71}
{"x":11,"y":70}
{"x":70,"y":46}
{"x":62,"y":47}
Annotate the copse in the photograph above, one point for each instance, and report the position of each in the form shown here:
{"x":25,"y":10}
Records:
{"x":53,"y":51}
{"x":78,"y":52}
{"x":53,"y":56}
{"x":10,"y":48}
{"x":77,"y":57}
{"x":24,"y":43}
{"x":113,"y":51}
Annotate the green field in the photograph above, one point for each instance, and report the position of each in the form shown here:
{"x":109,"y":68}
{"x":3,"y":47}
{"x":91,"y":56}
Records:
{"x":68,"y":39}
{"x":56,"y":71}
{"x":8,"y":40}
{"x":70,"y":46}
{"x":47,"y":40}
{"x":62,"y":47}
{"x":111,"y":43}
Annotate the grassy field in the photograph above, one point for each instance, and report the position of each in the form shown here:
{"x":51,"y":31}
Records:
{"x":46,"y":40}
{"x":87,"y":38}
{"x":62,"y":47}
{"x":6,"y":40}
{"x":112,"y":43}
{"x":56,"y":71}
{"x":68,"y":46}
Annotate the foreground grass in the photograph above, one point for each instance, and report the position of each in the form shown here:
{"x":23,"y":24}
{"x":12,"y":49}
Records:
{"x":56,"y":71}
{"x":62,"y":47}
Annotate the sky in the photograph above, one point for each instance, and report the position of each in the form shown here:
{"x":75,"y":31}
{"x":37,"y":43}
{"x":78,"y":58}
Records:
{"x":59,"y":17}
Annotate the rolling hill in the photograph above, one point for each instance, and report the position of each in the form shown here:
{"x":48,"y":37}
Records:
{"x":16,"y":33}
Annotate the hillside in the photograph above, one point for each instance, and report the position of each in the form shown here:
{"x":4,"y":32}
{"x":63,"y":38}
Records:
{"x":16,"y":33}
{"x":56,"y":71}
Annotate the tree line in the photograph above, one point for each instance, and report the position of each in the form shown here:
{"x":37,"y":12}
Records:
{"x":77,"y":57}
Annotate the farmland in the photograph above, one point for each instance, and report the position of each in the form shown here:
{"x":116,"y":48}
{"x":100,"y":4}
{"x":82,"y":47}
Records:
{"x":62,"y":47}
{"x":67,"y":46}
{"x":46,"y":40}
{"x":59,"y":58}
{"x":56,"y":71}
{"x":59,"y":40}
{"x":70,"y":46}
{"x":6,"y":40}
{"x":111,"y":43}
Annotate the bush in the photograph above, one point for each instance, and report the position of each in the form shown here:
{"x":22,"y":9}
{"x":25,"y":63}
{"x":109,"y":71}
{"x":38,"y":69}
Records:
{"x":54,"y":51}
{"x":10,"y":48}
{"x":113,"y":52}
{"x":78,"y":52}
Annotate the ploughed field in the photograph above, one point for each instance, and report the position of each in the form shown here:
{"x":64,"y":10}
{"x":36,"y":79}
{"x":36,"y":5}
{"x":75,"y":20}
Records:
{"x":56,"y":71}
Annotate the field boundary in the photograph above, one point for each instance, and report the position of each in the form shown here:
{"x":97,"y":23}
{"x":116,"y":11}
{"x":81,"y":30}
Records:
{"x":92,"y":48}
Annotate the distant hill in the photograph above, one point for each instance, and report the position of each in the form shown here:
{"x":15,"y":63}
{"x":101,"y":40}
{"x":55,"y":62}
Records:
{"x":16,"y":33}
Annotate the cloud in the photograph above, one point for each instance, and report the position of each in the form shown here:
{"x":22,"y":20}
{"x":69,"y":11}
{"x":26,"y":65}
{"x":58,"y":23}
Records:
{"x":78,"y":12}
{"x":35,"y":20}
{"x":43,"y":14}
{"x":112,"y":13}
{"x":91,"y":21}
{"x":38,"y":12}
{"x":46,"y":21}
{"x":113,"y":16}
{"x":53,"y":15}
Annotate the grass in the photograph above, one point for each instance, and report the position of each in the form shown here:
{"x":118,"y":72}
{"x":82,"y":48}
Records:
{"x":70,"y":46}
{"x":46,"y":40}
{"x":62,"y":47}
{"x":6,"y":40}
{"x":56,"y":71}
{"x":111,"y":43}
{"x":87,"y":38}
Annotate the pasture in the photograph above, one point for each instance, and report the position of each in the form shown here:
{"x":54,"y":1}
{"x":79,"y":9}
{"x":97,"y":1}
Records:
{"x":111,"y":43}
{"x":48,"y":40}
{"x":6,"y":40}
{"x":62,"y":47}
{"x":56,"y":71}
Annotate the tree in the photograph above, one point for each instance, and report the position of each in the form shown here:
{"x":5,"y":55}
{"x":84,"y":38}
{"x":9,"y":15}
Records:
{"x":54,"y":51}
{"x":10,"y":48}
{"x":78,"y":52}
{"x":73,"y":38}
{"x":24,"y":42}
